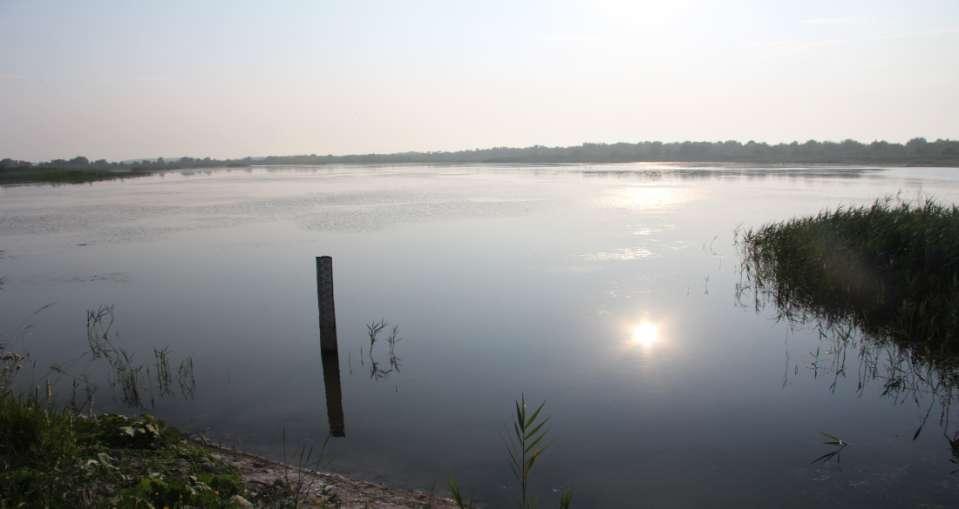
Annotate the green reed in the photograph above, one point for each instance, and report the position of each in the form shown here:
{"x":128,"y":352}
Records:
{"x":525,"y":446}
{"x":890,"y":268}
{"x":879,"y":281}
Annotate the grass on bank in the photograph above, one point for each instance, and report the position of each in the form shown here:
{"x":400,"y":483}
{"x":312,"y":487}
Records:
{"x":890,"y":268}
{"x":58,"y":458}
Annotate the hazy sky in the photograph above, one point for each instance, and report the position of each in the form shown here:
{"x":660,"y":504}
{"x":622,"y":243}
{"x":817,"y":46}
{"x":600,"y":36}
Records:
{"x":124,"y":79}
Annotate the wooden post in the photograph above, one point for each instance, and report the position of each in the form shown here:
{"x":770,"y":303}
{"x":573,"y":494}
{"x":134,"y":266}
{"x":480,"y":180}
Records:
{"x":324,"y":294}
{"x":328,"y":345}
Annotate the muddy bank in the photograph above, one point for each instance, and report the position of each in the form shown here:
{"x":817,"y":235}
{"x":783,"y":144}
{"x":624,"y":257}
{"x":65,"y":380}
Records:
{"x":270,"y":480}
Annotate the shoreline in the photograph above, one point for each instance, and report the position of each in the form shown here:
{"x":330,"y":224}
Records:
{"x":68,"y":176}
{"x":57,"y":457}
{"x":321,"y":489}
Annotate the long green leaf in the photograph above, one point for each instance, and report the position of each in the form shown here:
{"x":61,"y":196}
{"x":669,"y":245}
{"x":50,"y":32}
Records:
{"x":535,"y":443}
{"x":532,"y":418}
{"x":529,"y":434}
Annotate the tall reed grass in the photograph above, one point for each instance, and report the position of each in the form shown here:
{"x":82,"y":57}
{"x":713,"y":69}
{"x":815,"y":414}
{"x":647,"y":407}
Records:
{"x":890,"y":268}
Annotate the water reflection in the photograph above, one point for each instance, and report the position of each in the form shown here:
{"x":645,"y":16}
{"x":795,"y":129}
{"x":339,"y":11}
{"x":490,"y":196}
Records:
{"x":645,"y":335}
{"x":379,"y":371}
{"x":722,"y":172}
{"x":134,"y":383}
{"x":334,"y":394}
{"x":837,"y":444}
{"x":704,"y":385}
{"x":954,"y":445}
{"x":863,"y":334}
{"x":643,"y":198}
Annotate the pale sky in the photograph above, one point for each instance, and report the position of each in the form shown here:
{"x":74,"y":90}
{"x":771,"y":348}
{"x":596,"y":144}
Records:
{"x":128,"y":79}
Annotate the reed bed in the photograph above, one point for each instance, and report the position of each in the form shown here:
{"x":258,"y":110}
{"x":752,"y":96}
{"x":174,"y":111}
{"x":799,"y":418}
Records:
{"x":890,"y":268}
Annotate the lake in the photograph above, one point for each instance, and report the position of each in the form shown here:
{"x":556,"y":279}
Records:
{"x":612,"y":292}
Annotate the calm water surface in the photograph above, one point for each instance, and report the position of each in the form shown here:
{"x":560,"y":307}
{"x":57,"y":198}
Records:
{"x":609,"y":291}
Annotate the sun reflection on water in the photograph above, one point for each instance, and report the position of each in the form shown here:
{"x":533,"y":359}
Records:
{"x":644,"y":335}
{"x":646,"y":197}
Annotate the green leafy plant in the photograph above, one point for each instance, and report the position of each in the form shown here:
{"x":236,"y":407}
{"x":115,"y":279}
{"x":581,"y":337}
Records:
{"x":526,"y":445}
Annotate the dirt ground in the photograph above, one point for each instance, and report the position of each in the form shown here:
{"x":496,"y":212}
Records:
{"x":310,"y":488}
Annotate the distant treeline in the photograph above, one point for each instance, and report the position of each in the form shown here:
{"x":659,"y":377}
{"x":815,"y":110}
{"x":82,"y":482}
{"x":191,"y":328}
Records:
{"x":917,"y":151}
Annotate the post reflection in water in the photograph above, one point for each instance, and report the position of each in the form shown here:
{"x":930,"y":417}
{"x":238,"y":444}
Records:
{"x":334,"y":395}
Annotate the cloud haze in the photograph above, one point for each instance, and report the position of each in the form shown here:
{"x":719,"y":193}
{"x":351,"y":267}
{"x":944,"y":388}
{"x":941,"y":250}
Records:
{"x":120,"y":79}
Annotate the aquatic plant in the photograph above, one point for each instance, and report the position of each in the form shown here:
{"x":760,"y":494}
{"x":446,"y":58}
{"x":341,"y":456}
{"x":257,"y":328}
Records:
{"x":373,"y":329}
{"x":891,"y":269}
{"x":524,"y":446}
{"x":838,"y":445}
{"x":136,"y":383}
{"x":185,"y":378}
{"x":879,"y":282}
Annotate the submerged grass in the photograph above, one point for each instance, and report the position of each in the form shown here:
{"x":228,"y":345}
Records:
{"x":890,"y":268}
